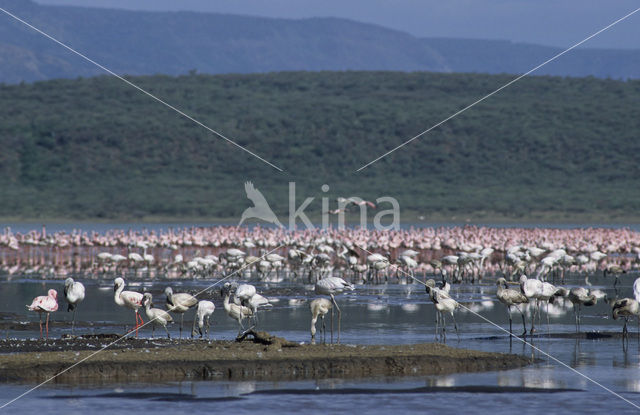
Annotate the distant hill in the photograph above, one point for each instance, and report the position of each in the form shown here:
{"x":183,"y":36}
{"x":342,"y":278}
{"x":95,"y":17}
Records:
{"x":139,"y":43}
{"x":547,"y":147}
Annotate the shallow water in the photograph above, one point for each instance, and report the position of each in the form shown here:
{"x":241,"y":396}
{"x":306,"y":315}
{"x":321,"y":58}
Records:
{"x":392,"y":314}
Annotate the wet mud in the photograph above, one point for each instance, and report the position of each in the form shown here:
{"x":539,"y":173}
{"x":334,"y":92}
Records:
{"x":161,"y":360}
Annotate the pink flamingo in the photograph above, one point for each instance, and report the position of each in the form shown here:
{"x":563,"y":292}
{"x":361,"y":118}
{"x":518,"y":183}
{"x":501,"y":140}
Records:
{"x":45,"y":304}
{"x":130,"y":299}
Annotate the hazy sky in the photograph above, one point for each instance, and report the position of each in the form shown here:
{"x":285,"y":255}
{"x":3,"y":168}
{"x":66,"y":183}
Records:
{"x":549,"y":22}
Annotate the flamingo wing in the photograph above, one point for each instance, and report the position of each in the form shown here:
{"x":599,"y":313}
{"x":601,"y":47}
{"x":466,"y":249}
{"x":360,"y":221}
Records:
{"x":132,"y":298}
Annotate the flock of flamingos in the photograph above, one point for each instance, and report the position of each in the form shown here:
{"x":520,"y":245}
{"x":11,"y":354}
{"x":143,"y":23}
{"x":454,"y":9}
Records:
{"x":529,"y":266}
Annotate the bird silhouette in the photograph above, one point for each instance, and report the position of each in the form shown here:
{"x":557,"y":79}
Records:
{"x":260,"y":209}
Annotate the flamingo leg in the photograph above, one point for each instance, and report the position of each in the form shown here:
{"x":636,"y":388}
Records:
{"x":339,"y":317}
{"x":444,"y":326}
{"x":181,"y":323}
{"x":73,"y":320}
{"x":40,"y":314}
{"x":455,"y":325}
{"x":524,"y":323}
{"x":331,"y":325}
{"x":167,"y":330}
{"x":47,"y":326}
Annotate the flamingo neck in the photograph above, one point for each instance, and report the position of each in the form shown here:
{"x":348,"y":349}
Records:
{"x":116,"y":296}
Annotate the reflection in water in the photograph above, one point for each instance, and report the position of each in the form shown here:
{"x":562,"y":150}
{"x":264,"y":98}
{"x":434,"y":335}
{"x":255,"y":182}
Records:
{"x":378,"y":314}
{"x":443,"y":381}
{"x":239,"y":388}
{"x":410,"y":308}
{"x":582,"y":359}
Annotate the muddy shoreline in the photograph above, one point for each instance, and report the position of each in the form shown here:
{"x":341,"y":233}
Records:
{"x":161,"y":360}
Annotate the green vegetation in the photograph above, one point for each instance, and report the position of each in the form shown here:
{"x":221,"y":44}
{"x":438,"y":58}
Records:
{"x":97,"y":148}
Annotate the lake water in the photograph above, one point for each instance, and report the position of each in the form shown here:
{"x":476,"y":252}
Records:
{"x":384,"y":314}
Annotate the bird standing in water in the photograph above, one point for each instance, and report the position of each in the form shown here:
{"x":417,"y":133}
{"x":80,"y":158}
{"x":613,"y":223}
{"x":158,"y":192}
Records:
{"x":331,"y":286}
{"x":74,"y":293}
{"x":129,"y":299}
{"x":510,"y":297}
{"x":319,"y":308}
{"x":203,"y":314}
{"x":156,"y":315}
{"x":45,"y":304}
{"x":179,"y":303}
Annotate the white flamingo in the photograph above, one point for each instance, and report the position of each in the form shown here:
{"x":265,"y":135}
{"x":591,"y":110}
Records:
{"x":203,"y":313}
{"x":510,"y":298}
{"x":319,"y":308}
{"x":156,"y":315}
{"x":129,"y":299}
{"x":626,"y":308}
{"x":532,"y":289}
{"x":45,"y":304}
{"x":74,"y":293}
{"x":234,"y":311}
{"x":443,"y":303}
{"x":331,"y":286}
{"x":179,"y":303}
{"x":579,"y":296}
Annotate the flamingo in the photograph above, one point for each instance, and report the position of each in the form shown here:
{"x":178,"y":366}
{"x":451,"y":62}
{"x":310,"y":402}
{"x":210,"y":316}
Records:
{"x":45,"y":304}
{"x":625,"y":307}
{"x":443,"y":302}
{"x":319,"y":308}
{"x":203,"y":313}
{"x":179,"y":303}
{"x":532,"y":289}
{"x":74,"y":293}
{"x":235,"y":311}
{"x":510,"y":297}
{"x":156,"y":315}
{"x":579,"y":296}
{"x":616,"y":271}
{"x":129,"y":299}
{"x":331,"y":286}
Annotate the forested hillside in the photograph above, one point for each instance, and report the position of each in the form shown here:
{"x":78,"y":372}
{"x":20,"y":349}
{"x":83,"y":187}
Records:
{"x":97,"y":148}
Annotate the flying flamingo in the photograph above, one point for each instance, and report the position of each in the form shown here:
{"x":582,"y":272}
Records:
{"x":74,"y":293}
{"x":129,"y":299}
{"x":331,"y":286}
{"x":45,"y":304}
